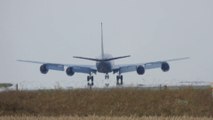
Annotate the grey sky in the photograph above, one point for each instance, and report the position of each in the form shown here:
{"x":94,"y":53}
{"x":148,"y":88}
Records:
{"x":148,"y":30}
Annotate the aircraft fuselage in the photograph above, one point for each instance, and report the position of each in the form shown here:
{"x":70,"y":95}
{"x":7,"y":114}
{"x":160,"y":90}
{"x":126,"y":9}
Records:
{"x":105,"y":66}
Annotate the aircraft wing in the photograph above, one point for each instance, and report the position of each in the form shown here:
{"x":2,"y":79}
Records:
{"x":149,"y":65}
{"x":88,"y":69}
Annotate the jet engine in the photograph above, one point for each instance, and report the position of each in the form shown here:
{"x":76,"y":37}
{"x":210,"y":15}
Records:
{"x":44,"y":69}
{"x":165,"y":67}
{"x":70,"y":71}
{"x":140,"y":70}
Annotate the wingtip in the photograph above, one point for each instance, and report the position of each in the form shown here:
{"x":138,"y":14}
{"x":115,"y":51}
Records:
{"x":177,"y":59}
{"x":186,"y":58}
{"x":75,"y":57}
{"x":19,"y":60}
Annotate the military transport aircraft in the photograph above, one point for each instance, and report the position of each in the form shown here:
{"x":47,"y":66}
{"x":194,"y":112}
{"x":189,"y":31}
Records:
{"x":104,"y":64}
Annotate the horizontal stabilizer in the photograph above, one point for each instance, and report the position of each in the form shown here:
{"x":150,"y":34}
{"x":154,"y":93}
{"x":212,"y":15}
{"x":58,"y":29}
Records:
{"x":85,"y":58}
{"x":117,"y":58}
{"x":107,"y":59}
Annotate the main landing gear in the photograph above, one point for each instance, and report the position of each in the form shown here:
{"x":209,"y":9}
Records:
{"x":119,"y":79}
{"x":90,"y":80}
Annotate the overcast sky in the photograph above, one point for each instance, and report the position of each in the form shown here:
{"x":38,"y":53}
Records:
{"x":148,"y":30}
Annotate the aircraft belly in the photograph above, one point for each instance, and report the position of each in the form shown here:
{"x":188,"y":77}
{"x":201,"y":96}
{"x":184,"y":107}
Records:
{"x":104,"y":67}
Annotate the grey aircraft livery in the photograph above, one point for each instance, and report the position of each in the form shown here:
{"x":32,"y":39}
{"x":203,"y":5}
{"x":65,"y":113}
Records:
{"x":104,"y":64}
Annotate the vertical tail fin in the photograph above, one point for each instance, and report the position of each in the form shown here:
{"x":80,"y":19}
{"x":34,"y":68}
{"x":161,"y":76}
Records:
{"x":102,"y":42}
{"x":102,"y":52}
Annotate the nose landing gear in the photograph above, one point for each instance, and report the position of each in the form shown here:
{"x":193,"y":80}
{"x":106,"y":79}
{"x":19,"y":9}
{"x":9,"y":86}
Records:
{"x":107,"y":76}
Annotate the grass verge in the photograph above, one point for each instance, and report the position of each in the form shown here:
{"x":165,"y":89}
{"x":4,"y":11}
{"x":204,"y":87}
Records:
{"x":108,"y":102}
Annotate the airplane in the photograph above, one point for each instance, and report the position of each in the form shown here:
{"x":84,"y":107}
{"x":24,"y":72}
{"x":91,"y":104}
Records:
{"x":104,"y":64}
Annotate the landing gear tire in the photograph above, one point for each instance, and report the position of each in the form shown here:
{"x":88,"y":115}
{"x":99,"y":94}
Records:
{"x":119,"y":80}
{"x":90,"y":81}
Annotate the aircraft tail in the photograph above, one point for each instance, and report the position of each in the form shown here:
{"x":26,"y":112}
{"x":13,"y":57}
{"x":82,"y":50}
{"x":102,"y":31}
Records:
{"x":102,"y":52}
{"x":102,"y":42}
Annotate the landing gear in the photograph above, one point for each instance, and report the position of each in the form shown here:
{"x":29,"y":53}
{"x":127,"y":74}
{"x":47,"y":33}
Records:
{"x":119,"y":80}
{"x":107,"y":76}
{"x":90,"y":81}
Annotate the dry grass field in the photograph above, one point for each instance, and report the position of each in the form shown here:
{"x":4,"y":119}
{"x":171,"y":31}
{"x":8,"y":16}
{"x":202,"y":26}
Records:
{"x":101,"y":118}
{"x":124,"y":103}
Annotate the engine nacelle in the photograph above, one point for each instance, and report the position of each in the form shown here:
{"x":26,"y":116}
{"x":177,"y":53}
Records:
{"x":44,"y":69}
{"x":140,"y":70}
{"x":70,"y":71}
{"x":165,"y":67}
